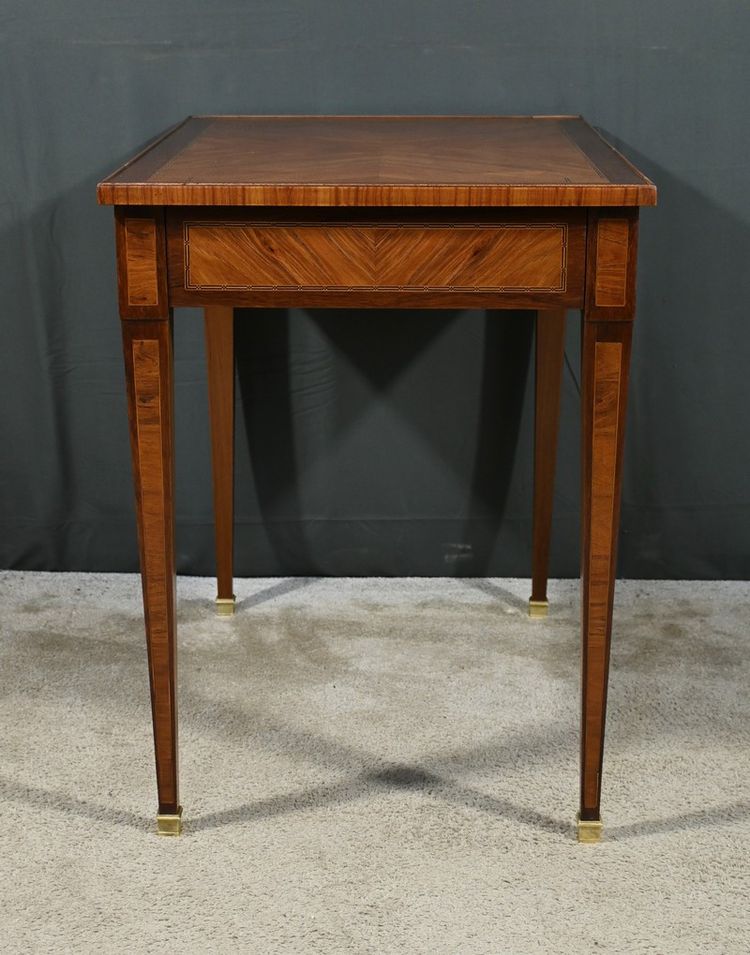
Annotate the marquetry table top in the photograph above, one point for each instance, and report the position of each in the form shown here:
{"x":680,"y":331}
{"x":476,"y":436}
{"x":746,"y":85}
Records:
{"x":379,"y":161}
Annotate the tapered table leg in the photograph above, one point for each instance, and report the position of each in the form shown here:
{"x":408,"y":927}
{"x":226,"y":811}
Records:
{"x":147,"y":346}
{"x":550,"y":352}
{"x":606,"y":358}
{"x":608,"y":314}
{"x":219,"y":324}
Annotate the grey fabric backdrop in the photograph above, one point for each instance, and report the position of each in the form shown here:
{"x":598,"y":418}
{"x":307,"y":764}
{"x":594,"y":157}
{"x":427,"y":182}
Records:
{"x":378,"y":443}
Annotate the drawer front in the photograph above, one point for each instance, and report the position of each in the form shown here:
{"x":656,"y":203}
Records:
{"x":239,"y":256}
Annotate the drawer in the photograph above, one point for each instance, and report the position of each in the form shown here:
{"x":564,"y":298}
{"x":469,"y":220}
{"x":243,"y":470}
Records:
{"x":399,"y":258}
{"x":241,"y":256}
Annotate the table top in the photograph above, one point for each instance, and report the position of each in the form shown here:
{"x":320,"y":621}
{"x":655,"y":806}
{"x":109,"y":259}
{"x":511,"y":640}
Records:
{"x":379,"y":161}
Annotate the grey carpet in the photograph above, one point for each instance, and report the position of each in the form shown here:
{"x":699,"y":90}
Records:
{"x":373,"y":766}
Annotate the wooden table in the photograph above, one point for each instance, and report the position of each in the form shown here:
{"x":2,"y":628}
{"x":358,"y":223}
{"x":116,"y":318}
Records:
{"x":224,"y":212}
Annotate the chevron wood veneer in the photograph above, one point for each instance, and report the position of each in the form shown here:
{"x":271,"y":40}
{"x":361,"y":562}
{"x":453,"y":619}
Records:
{"x":239,"y":256}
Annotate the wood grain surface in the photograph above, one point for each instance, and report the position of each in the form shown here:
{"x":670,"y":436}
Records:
{"x":606,"y":358}
{"x":379,"y":161}
{"x":612,"y":244}
{"x":507,"y":258}
{"x":219,"y":328}
{"x":611,"y":254}
{"x":147,"y":348}
{"x":422,"y":258}
{"x":141,"y":262}
{"x":549,"y":360}
{"x":604,"y":431}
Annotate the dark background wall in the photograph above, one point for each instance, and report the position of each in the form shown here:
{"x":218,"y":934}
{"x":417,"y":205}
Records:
{"x":384,"y":443}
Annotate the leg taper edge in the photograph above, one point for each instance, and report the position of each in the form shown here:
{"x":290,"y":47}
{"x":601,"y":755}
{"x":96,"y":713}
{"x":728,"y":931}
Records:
{"x":169,"y":824}
{"x":225,"y":606}
{"x":538,"y":608}
{"x":589,"y":830}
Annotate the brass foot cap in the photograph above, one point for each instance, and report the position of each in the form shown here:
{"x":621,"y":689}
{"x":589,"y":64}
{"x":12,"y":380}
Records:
{"x":169,"y":824}
{"x":538,"y":608}
{"x":589,"y":830}
{"x":225,"y":606}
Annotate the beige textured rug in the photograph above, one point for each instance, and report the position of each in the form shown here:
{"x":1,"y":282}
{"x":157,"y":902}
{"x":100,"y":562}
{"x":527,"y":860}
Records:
{"x":373,"y":766}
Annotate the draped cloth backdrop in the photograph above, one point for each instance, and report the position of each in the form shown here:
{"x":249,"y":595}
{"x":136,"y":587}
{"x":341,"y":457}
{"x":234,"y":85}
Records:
{"x":374,"y":442}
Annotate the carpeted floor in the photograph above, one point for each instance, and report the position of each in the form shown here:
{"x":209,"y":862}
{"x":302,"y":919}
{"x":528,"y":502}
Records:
{"x":373,"y":766}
